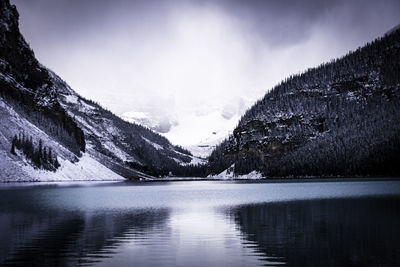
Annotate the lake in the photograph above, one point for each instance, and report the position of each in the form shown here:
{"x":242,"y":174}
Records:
{"x":201,"y":223}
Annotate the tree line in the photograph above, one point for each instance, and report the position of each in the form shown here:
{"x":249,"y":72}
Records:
{"x":41,"y":156}
{"x":339,"y":119}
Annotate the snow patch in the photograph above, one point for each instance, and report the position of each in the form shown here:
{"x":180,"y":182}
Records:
{"x":77,"y":102}
{"x":110,"y":146}
{"x":226,"y":174}
{"x":72,"y":99}
{"x":85,"y":107}
{"x":254,"y":175}
{"x":229,"y":174}
{"x":196,"y":161}
{"x":155,"y":145}
{"x":87,"y":169}
{"x":89,"y":128}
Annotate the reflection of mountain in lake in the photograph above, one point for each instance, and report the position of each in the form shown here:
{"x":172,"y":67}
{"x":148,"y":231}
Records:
{"x":347,"y":232}
{"x":72,"y":238}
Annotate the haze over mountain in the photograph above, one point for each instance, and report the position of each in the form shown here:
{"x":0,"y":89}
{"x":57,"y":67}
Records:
{"x":169,"y":64}
{"x":49,"y":132}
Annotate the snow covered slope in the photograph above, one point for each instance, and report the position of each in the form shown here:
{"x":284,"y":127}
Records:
{"x":48,"y":132}
{"x":19,"y":168}
{"x":199,"y":131}
{"x":127,"y":142}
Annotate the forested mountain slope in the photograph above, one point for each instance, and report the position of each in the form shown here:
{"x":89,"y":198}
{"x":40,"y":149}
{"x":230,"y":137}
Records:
{"x":341,"y":118}
{"x":49,"y":132}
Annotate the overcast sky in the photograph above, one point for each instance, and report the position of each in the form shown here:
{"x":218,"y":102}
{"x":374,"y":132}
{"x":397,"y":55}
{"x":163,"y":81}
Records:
{"x":193,"y":57}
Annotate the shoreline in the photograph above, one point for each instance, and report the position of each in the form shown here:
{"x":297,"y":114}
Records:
{"x":195,"y":179}
{"x":274,"y":180}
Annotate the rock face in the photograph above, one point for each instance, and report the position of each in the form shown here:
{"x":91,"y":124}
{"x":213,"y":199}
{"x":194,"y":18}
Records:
{"x":40,"y":108}
{"x":25,"y":80}
{"x":341,"y":118}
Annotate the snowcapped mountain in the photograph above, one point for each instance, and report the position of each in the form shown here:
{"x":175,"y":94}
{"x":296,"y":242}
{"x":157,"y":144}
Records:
{"x":49,"y":132}
{"x":199,"y":130}
{"x":339,"y":119}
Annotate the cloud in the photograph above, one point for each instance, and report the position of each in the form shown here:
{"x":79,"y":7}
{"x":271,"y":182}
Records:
{"x":193,"y":57}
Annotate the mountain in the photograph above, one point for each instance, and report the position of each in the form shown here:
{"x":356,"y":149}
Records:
{"x":395,"y":28}
{"x":49,"y":132}
{"x":341,"y":118}
{"x":198,"y":129}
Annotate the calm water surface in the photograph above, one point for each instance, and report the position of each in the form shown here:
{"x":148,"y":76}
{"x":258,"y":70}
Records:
{"x":201,"y":224}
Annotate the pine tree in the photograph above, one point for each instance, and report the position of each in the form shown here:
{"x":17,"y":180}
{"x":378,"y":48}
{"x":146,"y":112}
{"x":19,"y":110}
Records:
{"x":42,"y":157}
{"x":56,"y":163}
{"x":50,"y":156}
{"x":40,"y":148}
{"x":45,"y":159}
{"x":30,"y":149}
{"x":13,"y":144}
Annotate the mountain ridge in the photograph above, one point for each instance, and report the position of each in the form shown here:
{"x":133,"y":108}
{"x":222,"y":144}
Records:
{"x":337,"y":119}
{"x":44,"y":115}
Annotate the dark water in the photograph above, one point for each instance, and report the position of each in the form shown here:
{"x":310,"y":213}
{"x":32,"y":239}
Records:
{"x":201,"y":224}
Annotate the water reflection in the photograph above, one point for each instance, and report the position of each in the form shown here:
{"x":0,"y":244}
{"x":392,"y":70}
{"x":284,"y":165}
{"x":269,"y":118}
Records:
{"x":193,"y":225}
{"x":72,"y":238}
{"x":338,"y":232}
